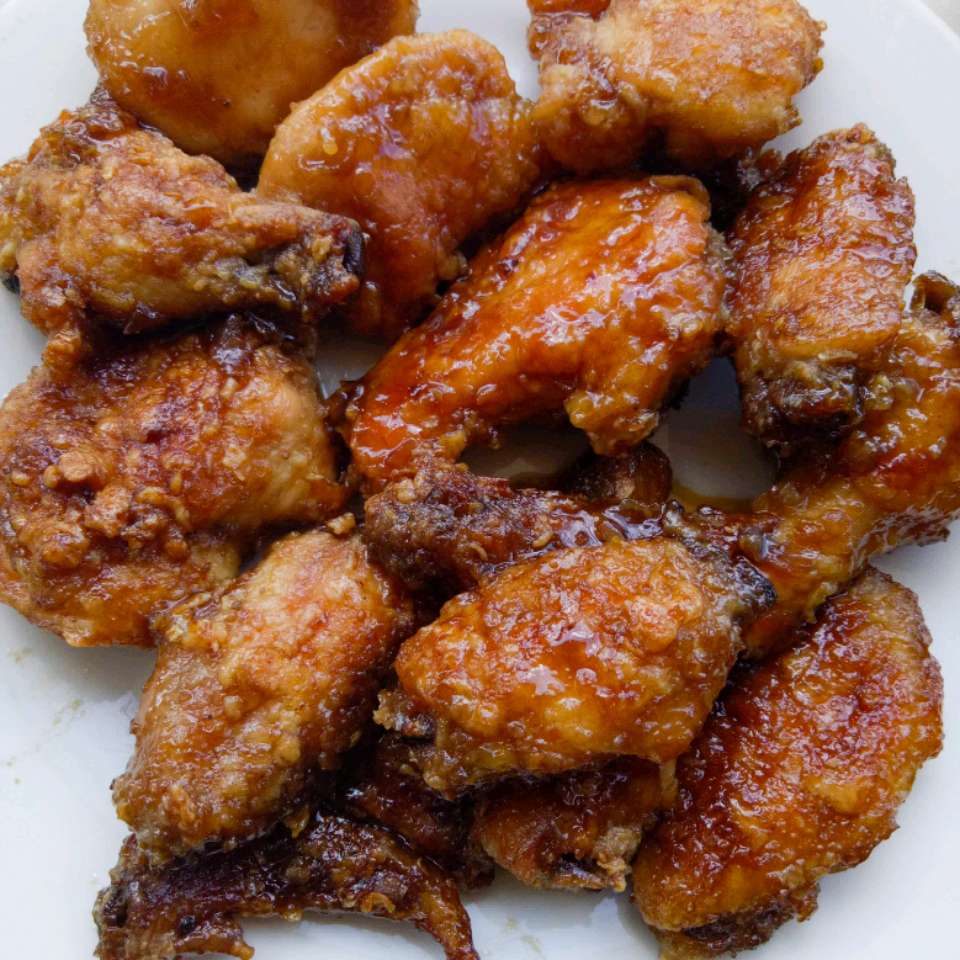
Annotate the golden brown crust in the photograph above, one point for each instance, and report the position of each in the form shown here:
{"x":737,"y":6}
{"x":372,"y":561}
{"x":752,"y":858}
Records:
{"x":824,"y":251}
{"x":256,"y":688}
{"x":146,"y":472}
{"x":600,"y":300}
{"x":699,"y":81}
{"x":576,"y":831}
{"x":424,"y":143}
{"x":217,"y":76}
{"x":799,"y":773}
{"x":110,"y":220}
{"x":332,"y":864}
{"x":567,"y":660}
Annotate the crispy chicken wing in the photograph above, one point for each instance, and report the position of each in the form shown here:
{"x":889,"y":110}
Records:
{"x":894,"y":479}
{"x":798,"y":773}
{"x":109,"y":219}
{"x":424,"y":143}
{"x":257,"y":687}
{"x":824,"y":251}
{"x":146,"y":472}
{"x":600,"y":300}
{"x":331,"y":864}
{"x":218,"y":75}
{"x":578,"y":830}
{"x":572,"y":658}
{"x":699,"y":81}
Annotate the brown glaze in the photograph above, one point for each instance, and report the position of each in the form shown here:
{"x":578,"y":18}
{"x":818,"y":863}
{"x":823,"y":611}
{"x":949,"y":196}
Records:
{"x":824,"y":251}
{"x":331,"y":864}
{"x":257,"y":687}
{"x":576,"y":831}
{"x":110,"y":220}
{"x":600,"y":301}
{"x":146,"y":472}
{"x":699,"y":82}
{"x":424,"y":143}
{"x":798,"y":773}
{"x":217,"y":76}
{"x":893,"y":479}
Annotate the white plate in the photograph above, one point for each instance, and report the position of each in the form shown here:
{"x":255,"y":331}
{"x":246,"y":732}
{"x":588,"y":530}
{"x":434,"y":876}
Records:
{"x":64,"y":713}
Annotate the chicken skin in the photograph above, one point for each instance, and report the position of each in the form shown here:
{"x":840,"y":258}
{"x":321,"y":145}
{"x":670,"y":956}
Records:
{"x":147,"y":472}
{"x":576,"y":831}
{"x":893,"y":480}
{"x":823,"y":252}
{"x":110,"y":220}
{"x":571,"y":659}
{"x":798,"y":773}
{"x":424,"y":143}
{"x":600,"y":301}
{"x":331,"y":864}
{"x":217,"y":76}
{"x":257,"y":687}
{"x":698,"y":82}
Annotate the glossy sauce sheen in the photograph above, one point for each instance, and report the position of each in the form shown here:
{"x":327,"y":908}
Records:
{"x":599,"y":301}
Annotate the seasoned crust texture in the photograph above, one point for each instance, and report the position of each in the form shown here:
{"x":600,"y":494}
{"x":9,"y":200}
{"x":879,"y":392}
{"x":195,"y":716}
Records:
{"x":217,"y":76}
{"x":798,"y":773}
{"x":823,"y":254}
{"x":424,"y":143}
{"x":697,"y":81}
{"x":108,"y":220}
{"x":257,"y":687}
{"x":147,"y":471}
{"x":330,"y":864}
{"x":600,"y":301}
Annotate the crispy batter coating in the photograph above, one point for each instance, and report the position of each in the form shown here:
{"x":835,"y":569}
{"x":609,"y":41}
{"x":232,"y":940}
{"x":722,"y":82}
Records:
{"x":217,"y":76}
{"x":424,"y":143}
{"x":894,"y":479}
{"x":699,"y":81}
{"x":108,"y":219}
{"x":446,"y":529}
{"x":798,"y":773}
{"x":642,"y":477}
{"x":600,"y":300}
{"x":257,"y":687}
{"x":384,"y":786}
{"x":824,"y":251}
{"x":147,"y":471}
{"x":576,"y":831}
{"x":333,"y":864}
{"x":570,"y":659}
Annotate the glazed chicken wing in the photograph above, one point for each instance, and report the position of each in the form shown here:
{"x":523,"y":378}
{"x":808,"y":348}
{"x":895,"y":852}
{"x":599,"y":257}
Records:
{"x":424,"y":143}
{"x":600,"y":301}
{"x":147,"y":471}
{"x":217,"y":76}
{"x":257,"y":687}
{"x":798,"y":773}
{"x":698,"y":81}
{"x":108,"y":219}
{"x":331,"y":864}
{"x":823,"y":252}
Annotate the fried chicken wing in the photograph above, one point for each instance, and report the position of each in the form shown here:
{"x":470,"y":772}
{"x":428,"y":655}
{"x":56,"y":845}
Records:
{"x":424,"y":143}
{"x":599,"y":301}
{"x":147,"y":471}
{"x":108,"y":219}
{"x":824,"y":252}
{"x":217,"y":76}
{"x":698,"y":81}
{"x":571,"y":659}
{"x":257,"y":687}
{"x":894,"y":479}
{"x":333,"y":864}
{"x":798,"y":773}
{"x":576,"y":831}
